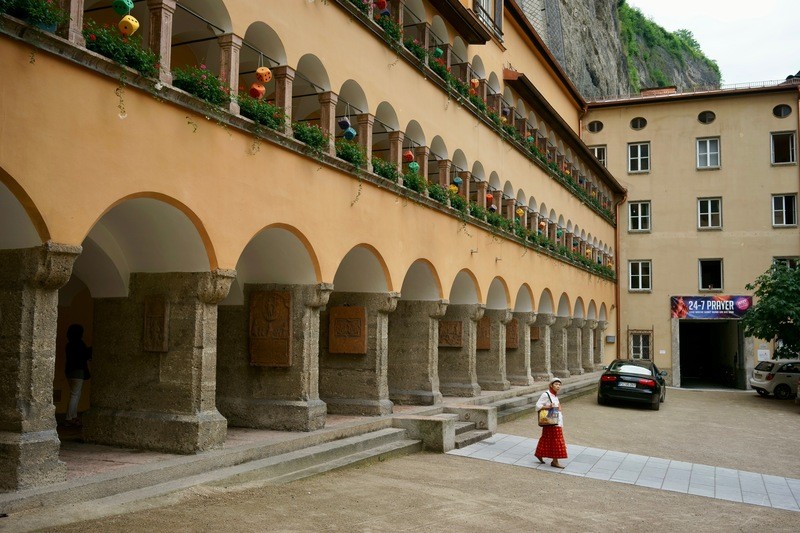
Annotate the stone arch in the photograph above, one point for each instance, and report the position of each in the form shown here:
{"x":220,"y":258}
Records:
{"x":498,"y":296}
{"x":465,"y":289}
{"x":546,"y":304}
{"x":416,"y":9}
{"x":362,"y":269}
{"x":194,"y":32}
{"x":564,"y":307}
{"x":310,"y":80}
{"x":439,"y":33}
{"x":421,"y":282}
{"x":21,"y":223}
{"x":579,"y":310}
{"x":508,"y":189}
{"x":415,"y":135}
{"x":524,"y":303}
{"x":459,"y":161}
{"x":494,"y":83}
{"x":603,"y":316}
{"x":478,"y":171}
{"x":459,"y":50}
{"x":592,"y":313}
{"x":477,"y":67}
{"x":494,"y":181}
{"x":385,"y":122}
{"x":439,"y":148}
{"x":522,"y":198}
{"x":351,"y":94}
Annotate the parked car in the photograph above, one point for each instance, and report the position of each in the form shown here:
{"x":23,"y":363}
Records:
{"x":636,"y":380}
{"x":778,"y":377}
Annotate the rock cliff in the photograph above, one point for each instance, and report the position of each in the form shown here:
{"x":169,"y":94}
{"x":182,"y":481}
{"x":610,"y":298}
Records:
{"x":608,"y":48}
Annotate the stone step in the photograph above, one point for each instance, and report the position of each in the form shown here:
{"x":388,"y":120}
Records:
{"x":471,"y":437}
{"x":511,"y":403}
{"x":507,"y":415}
{"x":463,"y":427}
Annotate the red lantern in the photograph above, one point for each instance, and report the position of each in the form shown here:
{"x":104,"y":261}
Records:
{"x":408,"y":156}
{"x":257,"y":91}
{"x":380,"y":4}
{"x":475,"y":82}
{"x":489,"y":197}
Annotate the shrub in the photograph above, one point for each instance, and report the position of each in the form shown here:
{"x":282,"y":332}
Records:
{"x":312,"y":135}
{"x":416,"y":48}
{"x":351,"y":151}
{"x":392,"y":29}
{"x":385,"y":169}
{"x":412,"y":180}
{"x":477,"y":211}
{"x":261,"y":112}
{"x":458,"y":202}
{"x":201,"y":83}
{"x":109,"y":42}
{"x":438,"y":193}
{"x":41,"y":13}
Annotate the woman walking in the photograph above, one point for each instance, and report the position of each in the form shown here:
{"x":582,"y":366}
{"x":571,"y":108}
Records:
{"x":76,"y":370}
{"x":551,"y":444}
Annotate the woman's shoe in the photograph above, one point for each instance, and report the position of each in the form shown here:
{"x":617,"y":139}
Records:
{"x":555,"y":464}
{"x":540,"y":459}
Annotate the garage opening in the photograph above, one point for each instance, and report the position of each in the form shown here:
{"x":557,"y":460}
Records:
{"x":711,"y":354}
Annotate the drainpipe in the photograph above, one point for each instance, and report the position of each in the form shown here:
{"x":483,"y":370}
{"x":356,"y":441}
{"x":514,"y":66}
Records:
{"x":584,"y":110}
{"x":617,"y":264}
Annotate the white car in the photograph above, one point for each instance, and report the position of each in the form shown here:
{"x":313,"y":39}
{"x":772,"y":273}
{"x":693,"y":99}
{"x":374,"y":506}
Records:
{"x":778,"y":377}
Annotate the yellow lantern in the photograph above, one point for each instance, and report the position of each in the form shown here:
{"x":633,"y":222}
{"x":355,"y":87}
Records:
{"x":128,"y":25}
{"x":263,"y":74}
{"x":453,"y":188}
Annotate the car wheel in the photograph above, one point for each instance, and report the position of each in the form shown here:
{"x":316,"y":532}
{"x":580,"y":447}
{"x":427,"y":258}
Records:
{"x":762,"y":393}
{"x":655,"y":406}
{"x":782,"y":391}
{"x":663,"y":394}
{"x":600,"y":400}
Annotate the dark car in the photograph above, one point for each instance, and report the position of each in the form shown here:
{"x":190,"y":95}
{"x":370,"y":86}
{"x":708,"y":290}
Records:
{"x":636,"y":380}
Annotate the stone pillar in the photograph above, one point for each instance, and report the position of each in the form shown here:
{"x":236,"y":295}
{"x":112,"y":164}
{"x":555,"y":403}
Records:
{"x":483,"y":89}
{"x":414,"y":352}
{"x":444,"y":172}
{"x":466,"y":180}
{"x":568,"y":240}
{"x":552,"y":229}
{"x":73,"y":31}
{"x":284,"y":79}
{"x":154,"y":364}
{"x":421,"y":154}
{"x":397,"y":8}
{"x":353,"y":381}
{"x":229,"y":47}
{"x":558,"y":347}
{"x":587,"y":356}
{"x":518,"y":348}
{"x":282,"y":394}
{"x":575,"y":346}
{"x":540,"y":347}
{"x":327,"y":118}
{"x":29,"y":283}
{"x":490,"y":360}
{"x":599,"y":344}
{"x":457,"y":338}
{"x":494,"y":102}
{"x":365,"y":123}
{"x":481,"y":187}
{"x":396,"y":139}
{"x":160,"y":42}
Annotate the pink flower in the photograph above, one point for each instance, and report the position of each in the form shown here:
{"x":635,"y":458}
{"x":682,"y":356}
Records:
{"x":203,"y":77}
{"x":202,"y":66}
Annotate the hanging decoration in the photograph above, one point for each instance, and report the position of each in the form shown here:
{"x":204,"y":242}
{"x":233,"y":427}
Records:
{"x":489,"y":197}
{"x":128,"y":25}
{"x":504,"y":120}
{"x":438,"y":52}
{"x":475,"y":83}
{"x":413,"y":166}
{"x":458,"y":181}
{"x":453,"y":188}
{"x":492,"y":208}
{"x":506,"y":111}
{"x":408,"y":156}
{"x":380,"y":4}
{"x":559,"y":233}
{"x":530,"y":139}
{"x":257,"y":91}
{"x":350,"y":134}
{"x":263,"y":74}
{"x":122,"y":7}
{"x":520,"y":211}
{"x":542,"y":224}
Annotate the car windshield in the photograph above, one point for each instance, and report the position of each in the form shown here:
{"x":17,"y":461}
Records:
{"x":765,"y":366}
{"x":627,"y":367}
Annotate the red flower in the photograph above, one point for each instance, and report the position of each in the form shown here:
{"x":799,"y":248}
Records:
{"x":92,"y":37}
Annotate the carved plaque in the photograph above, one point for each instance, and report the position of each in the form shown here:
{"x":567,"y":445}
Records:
{"x":535,"y":333}
{"x":450,"y":334}
{"x":270,"y":328}
{"x":156,"y":324}
{"x":483,"y":341}
{"x":512,"y":335}
{"x":348,"y":330}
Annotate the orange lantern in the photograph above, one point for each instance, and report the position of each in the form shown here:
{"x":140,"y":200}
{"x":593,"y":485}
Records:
{"x":474,"y":82}
{"x":263,"y":74}
{"x":257,"y":91}
{"x":408,"y":156}
{"x":489,"y":197}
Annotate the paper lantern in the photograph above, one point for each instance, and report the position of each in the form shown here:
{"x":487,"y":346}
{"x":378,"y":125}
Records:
{"x":263,"y":74}
{"x":122,"y":7}
{"x":530,"y":139}
{"x":380,"y":4}
{"x":559,"y":233}
{"x":475,"y":83}
{"x":128,"y":25}
{"x":504,"y":120}
{"x":413,"y":166}
{"x":438,"y":52}
{"x":408,"y":156}
{"x":492,"y":208}
{"x":489,"y":197}
{"x":473,"y":92}
{"x":520,"y":212}
{"x":344,"y":123}
{"x":542,"y":224}
{"x":257,"y":90}
{"x":350,"y":134}
{"x":506,"y":111}
{"x":458,"y":181}
{"x":453,"y":188}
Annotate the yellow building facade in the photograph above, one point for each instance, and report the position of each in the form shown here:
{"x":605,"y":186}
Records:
{"x":231,"y":273}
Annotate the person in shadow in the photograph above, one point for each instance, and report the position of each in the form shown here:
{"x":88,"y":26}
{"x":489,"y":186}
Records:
{"x":76,"y":370}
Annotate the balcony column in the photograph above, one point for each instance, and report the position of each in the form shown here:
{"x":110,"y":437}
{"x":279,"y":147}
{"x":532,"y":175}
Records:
{"x":284,"y":78}
{"x":73,"y":31}
{"x":523,"y":220}
{"x":575,"y":346}
{"x":552,"y":227}
{"x":480,"y":188}
{"x":533,"y":223}
{"x":396,"y":139}
{"x":160,"y":42}
{"x":599,"y":344}
{"x":494,"y":102}
{"x":397,"y":7}
{"x":444,"y":172}
{"x":518,"y":348}
{"x":483,"y":89}
{"x":558,"y":346}
{"x":466,"y":179}
{"x":587,"y":356}
{"x":421,"y":154}
{"x":327,"y":118}
{"x":229,"y":47}
{"x":365,"y":123}
{"x":541,"y":367}
{"x":568,"y":239}
{"x":509,"y":205}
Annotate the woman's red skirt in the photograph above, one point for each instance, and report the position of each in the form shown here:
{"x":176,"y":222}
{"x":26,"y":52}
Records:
{"x":551,"y":444}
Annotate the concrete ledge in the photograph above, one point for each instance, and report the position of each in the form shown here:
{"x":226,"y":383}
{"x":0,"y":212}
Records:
{"x":484,"y":417}
{"x":282,"y":415}
{"x":436,"y":434}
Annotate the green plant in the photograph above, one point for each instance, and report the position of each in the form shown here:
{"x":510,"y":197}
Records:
{"x":351,"y":151}
{"x":45,"y":13}
{"x":412,"y":180}
{"x":416,"y":48}
{"x":478,"y":102}
{"x":498,"y":221}
{"x":361,"y":5}
{"x":458,"y":202}
{"x":392,"y":29}
{"x":312,"y":135}
{"x":438,"y":193}
{"x":477,"y":211}
{"x":109,"y":42}
{"x":261,"y":112}
{"x":776,"y":313}
{"x":201,"y":83}
{"x":385,"y":169}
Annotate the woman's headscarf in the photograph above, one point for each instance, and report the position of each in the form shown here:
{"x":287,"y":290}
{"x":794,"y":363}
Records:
{"x":551,"y":385}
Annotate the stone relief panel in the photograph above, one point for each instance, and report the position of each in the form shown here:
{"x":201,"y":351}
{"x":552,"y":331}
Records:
{"x":270,"y":328}
{"x":484,"y":334}
{"x":156,"y":324}
{"x":348,"y":330}
{"x":512,"y":334}
{"x":535,"y":333}
{"x":451,"y":334}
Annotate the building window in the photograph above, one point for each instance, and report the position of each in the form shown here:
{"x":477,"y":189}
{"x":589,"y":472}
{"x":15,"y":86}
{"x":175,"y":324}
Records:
{"x":710,"y":274}
{"x":640,"y":344}
{"x":791,"y":262}
{"x":784,"y":210}
{"x":781,"y":110}
{"x":708,"y":153}
{"x":638,"y":123}
{"x":639,"y":275}
{"x":709,"y":213}
{"x":639,"y":157}
{"x":784,"y":148}
{"x":599,"y":152}
{"x":639,"y":216}
{"x":490,"y":13}
{"x":595,"y":126}
{"x":706,"y":117}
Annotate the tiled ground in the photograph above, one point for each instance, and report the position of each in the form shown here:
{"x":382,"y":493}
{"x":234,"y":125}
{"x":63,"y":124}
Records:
{"x":664,"y":474}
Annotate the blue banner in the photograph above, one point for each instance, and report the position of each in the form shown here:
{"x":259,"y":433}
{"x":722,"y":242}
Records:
{"x":710,"y":306}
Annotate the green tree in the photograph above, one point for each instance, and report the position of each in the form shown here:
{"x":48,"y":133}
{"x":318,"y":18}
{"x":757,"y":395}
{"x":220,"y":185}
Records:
{"x":776,"y":313}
